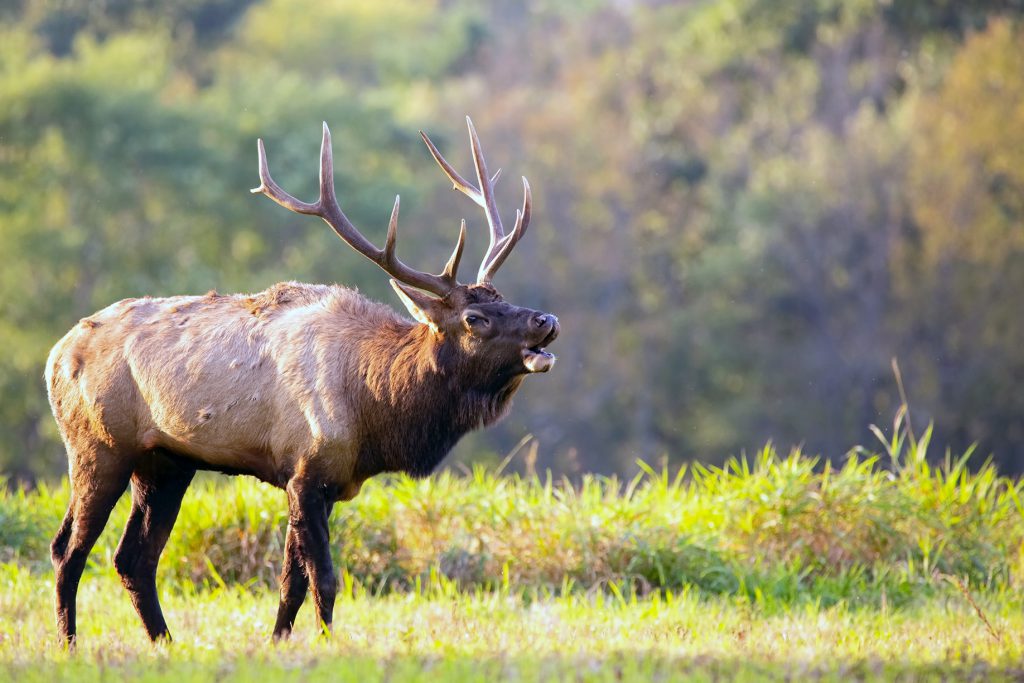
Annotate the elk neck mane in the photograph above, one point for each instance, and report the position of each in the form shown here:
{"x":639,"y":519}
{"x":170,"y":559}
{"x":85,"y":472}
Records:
{"x":405,"y":365}
{"x":420,"y":390}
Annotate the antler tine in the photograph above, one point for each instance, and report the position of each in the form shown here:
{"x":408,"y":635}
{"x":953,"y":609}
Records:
{"x":458,"y":182}
{"x":486,"y":188}
{"x":274,"y":191}
{"x":327,"y":198}
{"x":391,"y":241}
{"x":452,"y":266}
{"x":497,"y":256}
{"x":500,"y":245}
{"x":327,"y":208}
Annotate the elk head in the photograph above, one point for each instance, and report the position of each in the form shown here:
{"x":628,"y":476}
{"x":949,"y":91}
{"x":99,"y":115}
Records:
{"x":500,"y":340}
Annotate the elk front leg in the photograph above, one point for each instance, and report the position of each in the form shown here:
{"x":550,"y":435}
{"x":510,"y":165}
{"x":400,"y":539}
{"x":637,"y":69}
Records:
{"x":294,"y":584}
{"x":307,"y":548}
{"x":158,"y":486}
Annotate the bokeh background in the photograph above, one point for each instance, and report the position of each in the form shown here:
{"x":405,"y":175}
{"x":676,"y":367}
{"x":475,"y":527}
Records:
{"x":744,"y":209}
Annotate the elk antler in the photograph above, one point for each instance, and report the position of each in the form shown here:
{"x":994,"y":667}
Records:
{"x":326,"y":207}
{"x":501,"y":245}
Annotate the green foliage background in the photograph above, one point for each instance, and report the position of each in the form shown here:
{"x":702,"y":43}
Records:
{"x":744,"y":208}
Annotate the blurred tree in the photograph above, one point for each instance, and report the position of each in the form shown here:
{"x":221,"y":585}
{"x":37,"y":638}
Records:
{"x":743,"y":208}
{"x":967,"y":268}
{"x":90,"y":204}
{"x":362,"y":40}
{"x":60,"y":23}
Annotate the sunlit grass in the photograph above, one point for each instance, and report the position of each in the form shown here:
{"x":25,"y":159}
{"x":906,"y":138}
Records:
{"x":224,"y":633}
{"x":879,"y":566}
{"x":777,"y":529}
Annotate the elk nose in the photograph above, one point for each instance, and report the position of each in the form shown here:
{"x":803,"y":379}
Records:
{"x":542,"y":319}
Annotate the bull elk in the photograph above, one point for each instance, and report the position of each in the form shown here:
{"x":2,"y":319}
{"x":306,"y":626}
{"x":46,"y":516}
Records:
{"x":311,"y":388}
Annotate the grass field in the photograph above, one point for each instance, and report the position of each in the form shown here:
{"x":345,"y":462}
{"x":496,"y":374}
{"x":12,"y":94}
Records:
{"x":440,"y":634}
{"x":780,"y":567}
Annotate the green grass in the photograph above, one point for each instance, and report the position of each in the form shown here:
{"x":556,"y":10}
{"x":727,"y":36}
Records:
{"x":880,"y":567}
{"x":440,"y":633}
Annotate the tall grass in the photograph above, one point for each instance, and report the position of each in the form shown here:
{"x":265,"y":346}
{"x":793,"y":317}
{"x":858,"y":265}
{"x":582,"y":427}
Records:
{"x":775,"y":529}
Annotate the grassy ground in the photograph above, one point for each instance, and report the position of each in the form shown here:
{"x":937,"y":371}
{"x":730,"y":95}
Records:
{"x":441,"y":634}
{"x":884,"y":567}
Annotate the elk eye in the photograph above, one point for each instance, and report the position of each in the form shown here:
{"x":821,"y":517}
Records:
{"x":474,"y":319}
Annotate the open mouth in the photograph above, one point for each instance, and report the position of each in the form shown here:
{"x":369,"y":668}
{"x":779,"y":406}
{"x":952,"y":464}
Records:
{"x":536,"y":358}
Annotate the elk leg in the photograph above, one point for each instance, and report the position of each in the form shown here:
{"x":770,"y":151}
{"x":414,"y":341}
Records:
{"x":294,"y":584}
{"x":94,"y":491}
{"x":308,"y":511}
{"x":158,"y":485}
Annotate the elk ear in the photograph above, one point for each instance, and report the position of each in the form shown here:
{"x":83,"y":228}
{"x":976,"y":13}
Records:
{"x":420,"y":306}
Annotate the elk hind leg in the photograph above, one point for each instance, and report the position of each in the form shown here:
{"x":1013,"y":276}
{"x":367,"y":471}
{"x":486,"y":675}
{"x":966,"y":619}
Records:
{"x":158,"y":486}
{"x":98,"y":479}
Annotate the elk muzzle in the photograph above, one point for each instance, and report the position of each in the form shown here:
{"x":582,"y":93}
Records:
{"x":545,"y":329}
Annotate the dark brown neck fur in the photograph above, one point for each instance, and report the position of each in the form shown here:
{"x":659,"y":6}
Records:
{"x":421,"y":398}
